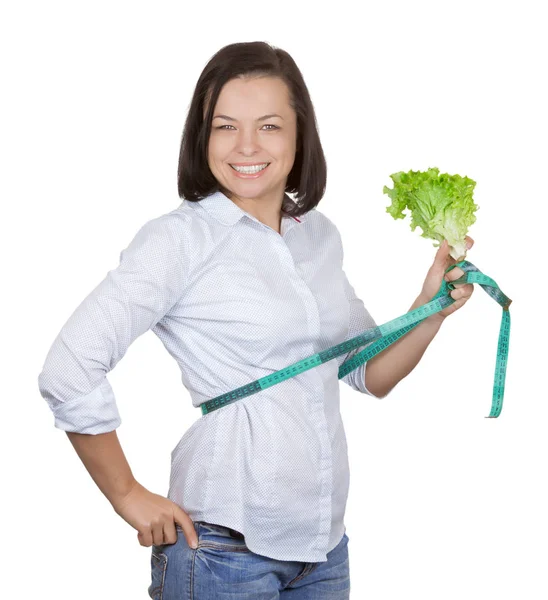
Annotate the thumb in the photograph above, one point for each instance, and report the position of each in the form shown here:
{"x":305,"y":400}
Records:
{"x":181,"y":518}
{"x":442,"y":254}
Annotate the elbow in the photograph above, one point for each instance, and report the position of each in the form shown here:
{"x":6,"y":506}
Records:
{"x":46,"y":386}
{"x":374,"y":384}
{"x":90,"y":411}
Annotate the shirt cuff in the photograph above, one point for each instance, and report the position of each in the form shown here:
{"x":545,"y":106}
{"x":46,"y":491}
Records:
{"x":93,"y":413}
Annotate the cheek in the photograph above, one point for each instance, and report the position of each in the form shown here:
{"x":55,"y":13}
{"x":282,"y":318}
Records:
{"x":283,"y":147}
{"x":218,"y":148}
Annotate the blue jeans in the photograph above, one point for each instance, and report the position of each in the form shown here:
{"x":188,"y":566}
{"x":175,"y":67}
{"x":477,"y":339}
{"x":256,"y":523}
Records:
{"x":223,"y":567}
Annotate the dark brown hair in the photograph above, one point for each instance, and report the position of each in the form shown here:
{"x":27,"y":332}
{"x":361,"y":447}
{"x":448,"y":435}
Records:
{"x":307,"y":179}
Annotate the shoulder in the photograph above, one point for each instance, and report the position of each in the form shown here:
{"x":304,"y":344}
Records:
{"x":175,"y":223}
{"x":324,"y":226}
{"x":161,"y":240}
{"x":172,"y":228}
{"x":318,"y":218}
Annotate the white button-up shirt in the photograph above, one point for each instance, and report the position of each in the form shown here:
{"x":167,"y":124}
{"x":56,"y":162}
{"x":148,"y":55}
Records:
{"x":232,"y":300}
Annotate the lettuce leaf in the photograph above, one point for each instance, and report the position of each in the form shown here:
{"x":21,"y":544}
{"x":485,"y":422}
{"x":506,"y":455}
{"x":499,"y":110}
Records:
{"x":441,"y":205}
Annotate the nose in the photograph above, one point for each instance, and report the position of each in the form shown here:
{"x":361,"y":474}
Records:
{"x":247,"y":141}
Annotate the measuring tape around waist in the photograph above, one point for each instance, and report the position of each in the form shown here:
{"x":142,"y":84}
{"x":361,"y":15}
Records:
{"x":386,"y":334}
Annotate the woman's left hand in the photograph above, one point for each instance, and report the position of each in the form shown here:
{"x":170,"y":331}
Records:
{"x":462,"y":292}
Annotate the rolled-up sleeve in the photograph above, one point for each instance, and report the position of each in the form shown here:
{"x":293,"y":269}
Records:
{"x":130,"y":300}
{"x":359,"y":320}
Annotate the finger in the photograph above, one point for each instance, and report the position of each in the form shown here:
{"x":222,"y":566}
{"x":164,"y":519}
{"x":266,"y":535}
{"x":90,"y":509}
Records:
{"x":145,"y":537}
{"x":187,"y":525}
{"x":458,"y":304}
{"x":443,"y":260}
{"x":469,"y":242}
{"x":170,"y":533}
{"x":462,"y":292}
{"x":157,"y":532}
{"x":455,"y":273}
{"x":466,"y":289}
{"x":456,"y":294}
{"x":442,"y":251}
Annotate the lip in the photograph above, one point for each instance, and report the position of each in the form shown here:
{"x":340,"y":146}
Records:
{"x":250,"y":175}
{"x":249,"y":164}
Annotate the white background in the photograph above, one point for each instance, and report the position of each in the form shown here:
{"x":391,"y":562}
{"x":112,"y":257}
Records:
{"x":444,"y":504}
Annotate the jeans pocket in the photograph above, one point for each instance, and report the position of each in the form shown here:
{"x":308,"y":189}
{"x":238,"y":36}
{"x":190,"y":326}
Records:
{"x":211,"y":535}
{"x":223,"y":530}
{"x":158,"y":565}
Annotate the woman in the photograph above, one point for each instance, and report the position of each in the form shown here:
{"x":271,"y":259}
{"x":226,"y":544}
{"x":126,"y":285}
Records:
{"x":238,"y":282}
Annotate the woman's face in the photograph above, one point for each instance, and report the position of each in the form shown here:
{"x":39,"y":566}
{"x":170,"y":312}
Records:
{"x":247,"y":138}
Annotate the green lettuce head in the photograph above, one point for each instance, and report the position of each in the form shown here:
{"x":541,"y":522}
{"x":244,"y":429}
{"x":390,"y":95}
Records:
{"x":441,"y":205}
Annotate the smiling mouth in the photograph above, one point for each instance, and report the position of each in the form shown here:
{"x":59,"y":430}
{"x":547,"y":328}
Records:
{"x":252,"y":171}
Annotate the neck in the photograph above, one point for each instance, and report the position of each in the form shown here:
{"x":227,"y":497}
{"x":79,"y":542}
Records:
{"x":267,"y":211}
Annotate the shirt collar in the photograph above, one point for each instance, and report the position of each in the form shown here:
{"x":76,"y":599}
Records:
{"x":219,"y":206}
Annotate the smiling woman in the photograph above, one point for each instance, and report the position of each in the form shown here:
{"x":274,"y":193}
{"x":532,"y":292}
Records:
{"x":238,"y":282}
{"x":251,"y":107}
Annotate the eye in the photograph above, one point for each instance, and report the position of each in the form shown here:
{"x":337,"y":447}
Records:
{"x":267,"y":125}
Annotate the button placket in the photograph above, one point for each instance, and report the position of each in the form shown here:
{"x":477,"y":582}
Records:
{"x":317,"y":410}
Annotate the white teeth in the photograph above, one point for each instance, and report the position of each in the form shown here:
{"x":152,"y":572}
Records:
{"x":250,"y":170}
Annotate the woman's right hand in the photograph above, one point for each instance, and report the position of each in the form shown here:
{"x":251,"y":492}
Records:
{"x":154,"y":517}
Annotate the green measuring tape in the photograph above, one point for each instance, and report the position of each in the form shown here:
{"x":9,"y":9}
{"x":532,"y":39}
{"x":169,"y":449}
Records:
{"x":387,"y":334}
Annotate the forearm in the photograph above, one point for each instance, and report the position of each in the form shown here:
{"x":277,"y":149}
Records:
{"x":105,"y":461}
{"x":389,"y":367}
